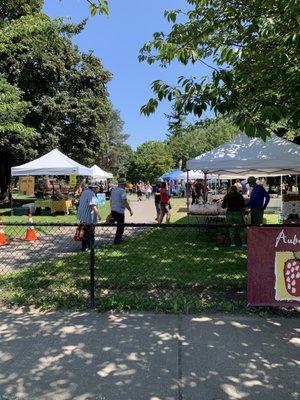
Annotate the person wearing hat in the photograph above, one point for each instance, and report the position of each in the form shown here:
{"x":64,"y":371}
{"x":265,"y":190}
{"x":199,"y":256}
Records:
{"x":259,"y":199}
{"x":87,"y":214}
{"x":118,"y":203}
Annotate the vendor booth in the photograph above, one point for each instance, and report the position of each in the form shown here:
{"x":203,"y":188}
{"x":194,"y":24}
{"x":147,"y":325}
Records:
{"x":99,"y":174}
{"x":174,"y":182}
{"x":291,"y":206}
{"x":244,"y":156}
{"x":52,"y":163}
{"x":273,"y":252}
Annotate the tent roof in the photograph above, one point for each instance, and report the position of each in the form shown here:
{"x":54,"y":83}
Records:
{"x":172,"y":174}
{"x":194,"y":175}
{"x":243,"y":156}
{"x":99,"y":173}
{"x":52,"y":163}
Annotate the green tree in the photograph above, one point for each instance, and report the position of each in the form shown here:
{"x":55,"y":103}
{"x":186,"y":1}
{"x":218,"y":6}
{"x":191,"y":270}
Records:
{"x":14,"y":9}
{"x":98,"y":6}
{"x":15,"y":137}
{"x":198,"y":138}
{"x":151,"y":159}
{"x":253,"y":50}
{"x":65,"y":89}
{"x":124,"y":161}
{"x":114,"y":154}
{"x":83,"y":110}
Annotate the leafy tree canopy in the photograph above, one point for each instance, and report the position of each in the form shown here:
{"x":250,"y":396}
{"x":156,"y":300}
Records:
{"x":64,"y":89}
{"x":125,"y":158}
{"x":196,"y":139}
{"x":98,"y":6}
{"x":253,"y":47}
{"x":15,"y":137}
{"x":14,"y":9}
{"x":151,"y":159}
{"x":115,"y":156}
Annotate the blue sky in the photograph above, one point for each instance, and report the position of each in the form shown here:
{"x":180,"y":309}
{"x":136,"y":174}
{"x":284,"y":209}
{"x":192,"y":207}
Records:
{"x":116,"y":40}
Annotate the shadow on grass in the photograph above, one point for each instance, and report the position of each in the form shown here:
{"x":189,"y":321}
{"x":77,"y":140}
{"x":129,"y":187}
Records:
{"x":156,"y":266}
{"x":171,"y":270}
{"x":62,"y":283}
{"x":162,"y":269}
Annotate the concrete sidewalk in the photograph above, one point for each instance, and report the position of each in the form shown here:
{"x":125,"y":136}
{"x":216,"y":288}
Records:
{"x":145,"y":356}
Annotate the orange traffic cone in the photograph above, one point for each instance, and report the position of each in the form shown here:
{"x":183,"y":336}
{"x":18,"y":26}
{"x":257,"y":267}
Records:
{"x":30,"y":233}
{"x":3,"y":239}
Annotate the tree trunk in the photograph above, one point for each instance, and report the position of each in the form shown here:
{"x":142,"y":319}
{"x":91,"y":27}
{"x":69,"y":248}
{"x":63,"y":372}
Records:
{"x":5,"y":180}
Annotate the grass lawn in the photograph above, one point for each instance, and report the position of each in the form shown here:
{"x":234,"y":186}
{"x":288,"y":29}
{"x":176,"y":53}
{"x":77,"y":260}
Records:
{"x":158,"y":269}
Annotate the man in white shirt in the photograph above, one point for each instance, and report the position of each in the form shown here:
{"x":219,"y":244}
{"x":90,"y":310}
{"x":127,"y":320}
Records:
{"x":118,"y":203}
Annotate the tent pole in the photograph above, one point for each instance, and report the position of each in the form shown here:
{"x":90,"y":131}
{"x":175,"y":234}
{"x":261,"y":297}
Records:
{"x":188,"y":195}
{"x":205,"y":187}
{"x":281,"y":182}
{"x":10,"y":196}
{"x":214,"y":180}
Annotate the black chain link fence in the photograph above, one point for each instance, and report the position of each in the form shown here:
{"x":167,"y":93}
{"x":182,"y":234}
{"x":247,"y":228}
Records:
{"x":156,"y":267}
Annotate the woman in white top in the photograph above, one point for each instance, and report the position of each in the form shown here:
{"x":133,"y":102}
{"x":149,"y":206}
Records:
{"x":148,"y":190}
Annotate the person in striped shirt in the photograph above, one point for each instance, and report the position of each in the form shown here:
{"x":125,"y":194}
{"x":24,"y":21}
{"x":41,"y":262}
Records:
{"x":88,"y":215}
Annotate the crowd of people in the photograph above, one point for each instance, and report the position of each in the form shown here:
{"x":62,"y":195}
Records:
{"x":143,"y":189}
{"x":247,"y":197}
{"x":88,"y":213}
{"x":237,"y":207}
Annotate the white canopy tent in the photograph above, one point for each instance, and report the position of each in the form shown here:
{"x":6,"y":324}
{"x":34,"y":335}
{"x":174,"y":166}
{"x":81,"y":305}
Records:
{"x":191,"y":175}
{"x":244,"y":156}
{"x":194,"y":175}
{"x":52,"y":163}
{"x":98,"y":173}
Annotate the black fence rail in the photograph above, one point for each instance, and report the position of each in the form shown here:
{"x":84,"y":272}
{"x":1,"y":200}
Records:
{"x":169,"y":267}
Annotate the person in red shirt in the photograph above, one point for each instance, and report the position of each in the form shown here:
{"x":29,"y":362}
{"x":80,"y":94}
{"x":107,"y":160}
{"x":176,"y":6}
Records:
{"x":164,"y":203}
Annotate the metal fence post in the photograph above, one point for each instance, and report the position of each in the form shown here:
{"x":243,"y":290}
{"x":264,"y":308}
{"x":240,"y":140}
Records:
{"x":92,"y":267}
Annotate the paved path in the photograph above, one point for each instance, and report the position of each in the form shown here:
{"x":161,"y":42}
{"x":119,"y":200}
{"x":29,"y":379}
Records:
{"x":143,"y":356}
{"x":56,"y":242}
{"x":143,"y":211}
